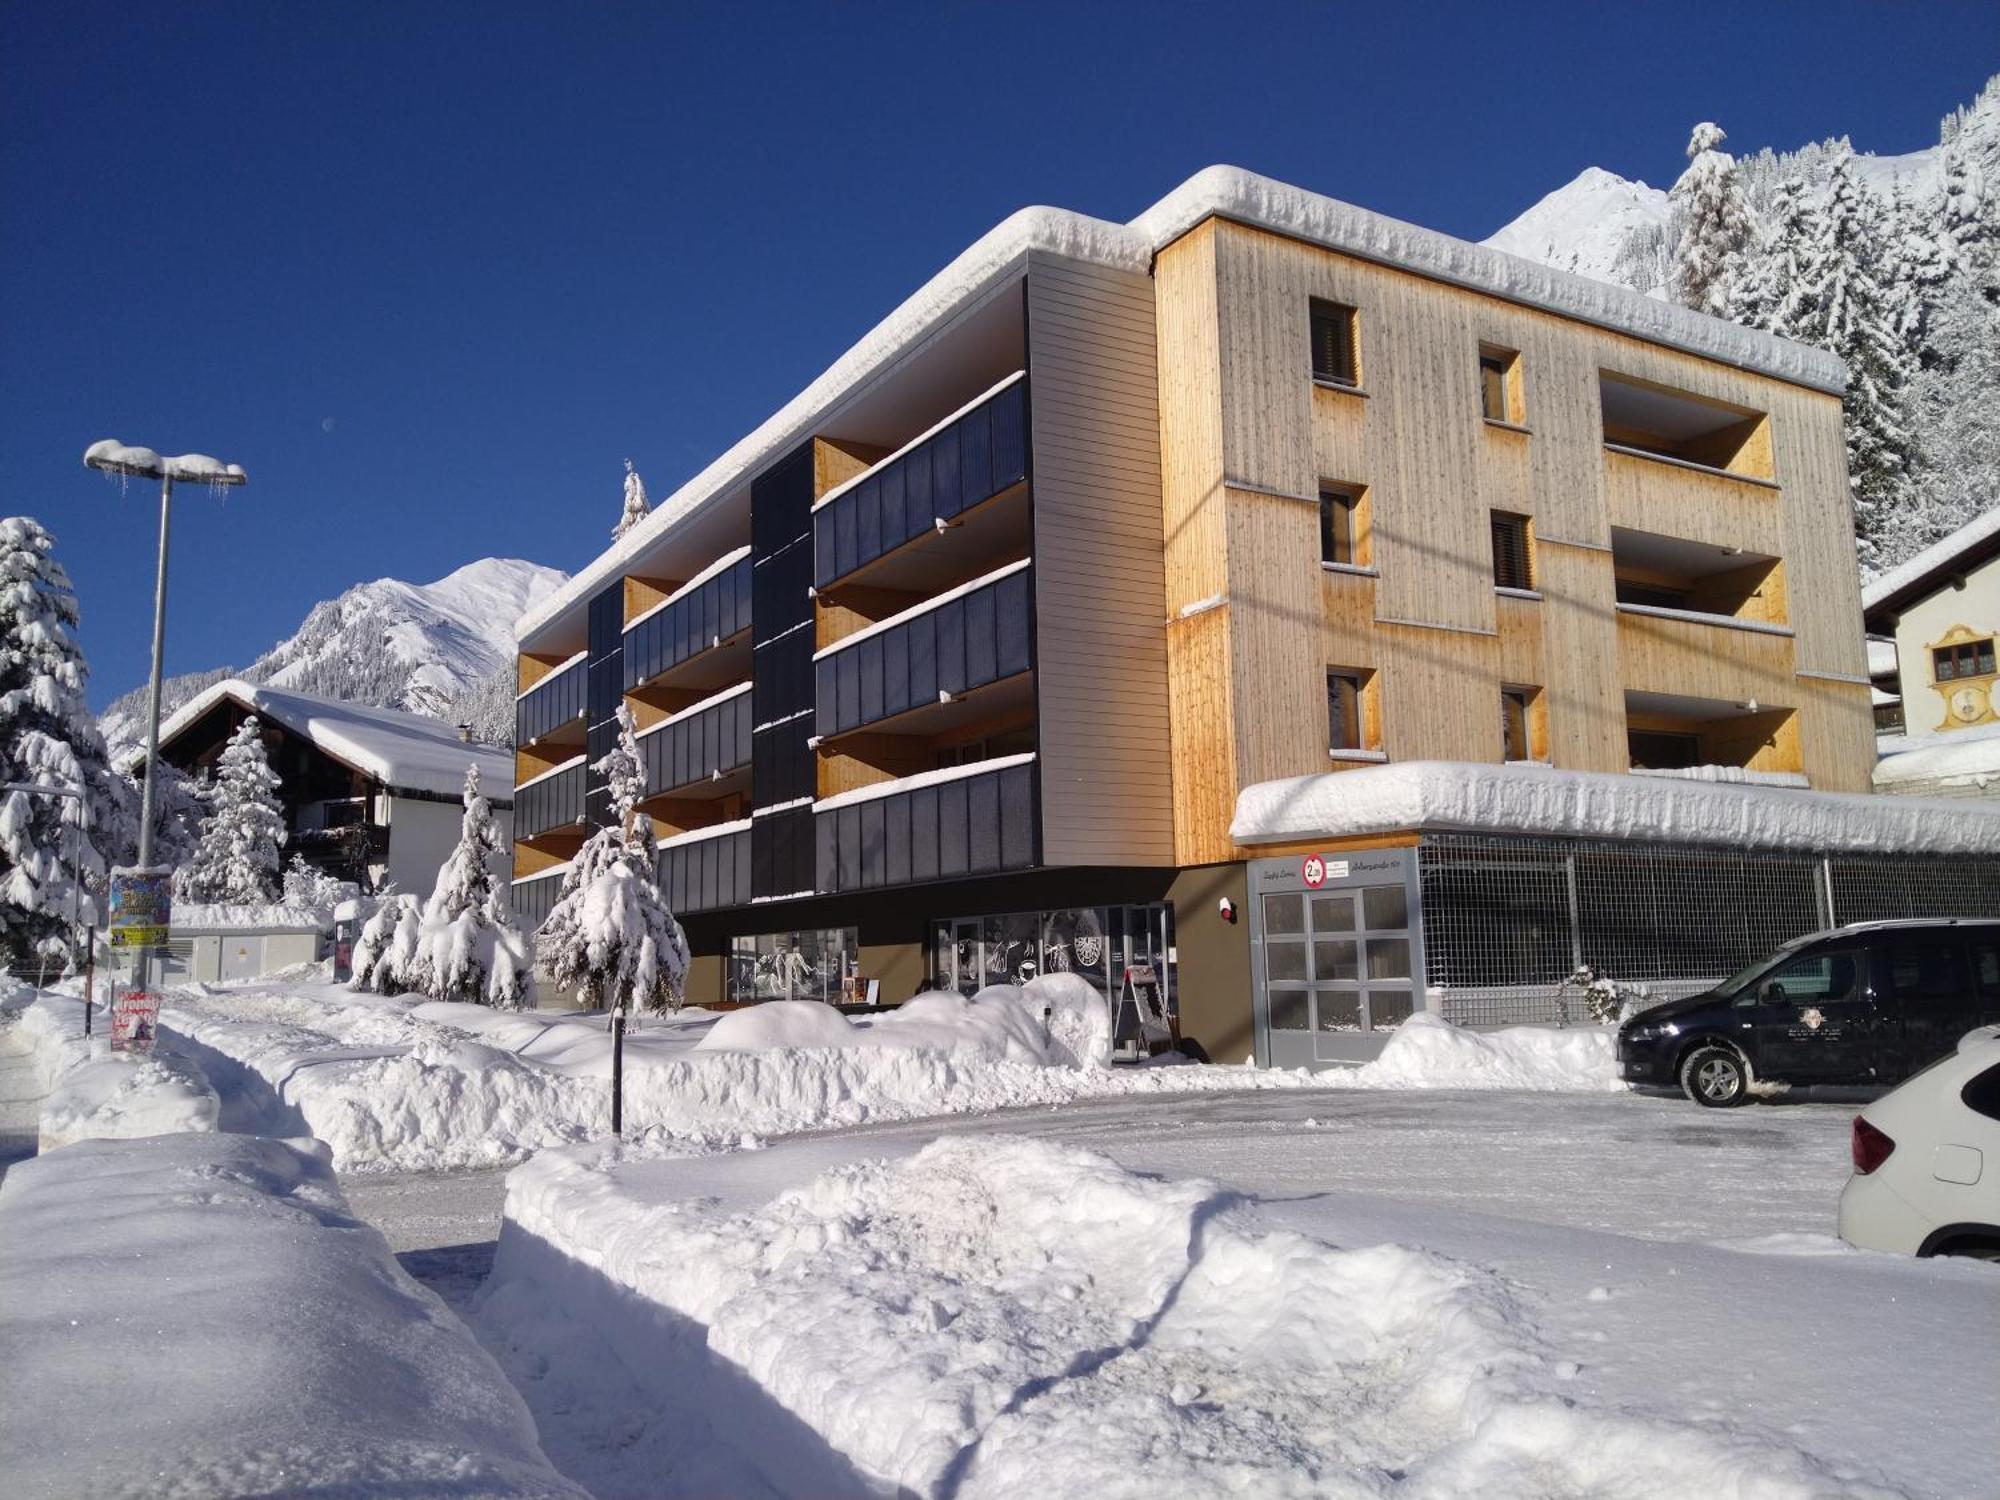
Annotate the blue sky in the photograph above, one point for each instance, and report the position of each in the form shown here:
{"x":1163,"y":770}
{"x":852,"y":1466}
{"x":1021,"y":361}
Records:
{"x":431,"y":272}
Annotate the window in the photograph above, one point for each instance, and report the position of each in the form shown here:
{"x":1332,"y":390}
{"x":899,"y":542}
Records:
{"x":1516,"y":705}
{"x":1816,"y":979}
{"x":1926,"y":969}
{"x":1500,"y":385}
{"x":1340,"y":525}
{"x":792,"y":965}
{"x":1972,"y":659}
{"x":1512,"y":568}
{"x":1334,"y":357}
{"x":1347,"y":708}
{"x":1651,"y":750}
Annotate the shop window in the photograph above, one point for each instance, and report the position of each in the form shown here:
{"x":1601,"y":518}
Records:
{"x":1335,"y":352}
{"x":792,"y":965}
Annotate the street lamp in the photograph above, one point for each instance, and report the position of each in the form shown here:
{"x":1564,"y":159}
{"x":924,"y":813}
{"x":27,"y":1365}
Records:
{"x":113,"y":457}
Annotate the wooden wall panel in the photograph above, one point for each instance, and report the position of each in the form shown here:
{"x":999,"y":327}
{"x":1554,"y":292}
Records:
{"x":1692,"y":660}
{"x":1584,"y":700}
{"x":1278,"y":670}
{"x":1100,"y":595}
{"x":1669,"y":500}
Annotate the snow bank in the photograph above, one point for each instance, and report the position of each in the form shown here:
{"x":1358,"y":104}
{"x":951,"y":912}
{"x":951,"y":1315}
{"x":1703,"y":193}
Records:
{"x":200,"y":1315}
{"x":1589,"y":804}
{"x":1429,"y":1052}
{"x":996,"y":1024}
{"x":1000,"y":1316}
{"x":121,"y":1095}
{"x":1959,"y":763}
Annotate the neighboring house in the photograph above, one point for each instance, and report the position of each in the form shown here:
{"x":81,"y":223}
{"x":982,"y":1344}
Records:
{"x":369,"y":794}
{"x":1093,"y":611}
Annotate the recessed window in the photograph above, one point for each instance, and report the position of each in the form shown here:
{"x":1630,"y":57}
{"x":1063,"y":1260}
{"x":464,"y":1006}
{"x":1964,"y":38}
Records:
{"x":1500,"y":385}
{"x":1517,"y":707}
{"x":1335,"y":357}
{"x":1348,"y":690}
{"x":1969,"y":659}
{"x":1342,"y":526}
{"x":1513,"y":564}
{"x":1655,"y":750}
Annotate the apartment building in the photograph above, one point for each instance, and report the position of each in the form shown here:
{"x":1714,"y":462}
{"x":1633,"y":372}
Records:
{"x":968,"y":662}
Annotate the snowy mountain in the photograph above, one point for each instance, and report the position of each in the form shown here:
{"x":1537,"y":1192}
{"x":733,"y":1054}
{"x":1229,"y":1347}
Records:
{"x":423,"y":647}
{"x":1584,"y":225}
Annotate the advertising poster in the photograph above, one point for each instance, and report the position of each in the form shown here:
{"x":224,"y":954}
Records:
{"x":142,"y":904}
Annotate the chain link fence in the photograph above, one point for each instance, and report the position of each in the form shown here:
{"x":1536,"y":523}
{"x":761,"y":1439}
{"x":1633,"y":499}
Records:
{"x":1507,"y":920}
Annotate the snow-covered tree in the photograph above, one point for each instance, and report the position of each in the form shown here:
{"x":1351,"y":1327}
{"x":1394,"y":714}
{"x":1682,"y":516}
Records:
{"x":468,"y":949}
{"x":371,"y":969}
{"x":636,"y":504}
{"x":47,"y":738}
{"x":1764,"y":293}
{"x":236,"y":862}
{"x":1712,"y":227}
{"x":610,"y":936}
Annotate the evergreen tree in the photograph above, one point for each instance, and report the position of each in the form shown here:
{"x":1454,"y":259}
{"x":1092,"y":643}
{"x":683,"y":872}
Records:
{"x":635,"y":502}
{"x":1713,"y":229}
{"x":236,"y":862}
{"x":47,"y":738}
{"x":465,"y":920}
{"x":610,"y":936}
{"x":1770,"y":291}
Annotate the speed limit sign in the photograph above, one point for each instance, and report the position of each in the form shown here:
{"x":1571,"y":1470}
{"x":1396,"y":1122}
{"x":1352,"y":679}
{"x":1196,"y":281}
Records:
{"x":1314,"y":871}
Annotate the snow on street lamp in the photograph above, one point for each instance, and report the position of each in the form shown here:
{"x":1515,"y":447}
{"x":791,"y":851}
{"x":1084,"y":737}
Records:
{"x":114,"y":457}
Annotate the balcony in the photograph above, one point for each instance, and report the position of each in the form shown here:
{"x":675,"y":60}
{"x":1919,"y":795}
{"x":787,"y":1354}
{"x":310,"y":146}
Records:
{"x":551,"y":802}
{"x":700,"y":755}
{"x":1668,"y":732}
{"x":942,"y":825}
{"x":553,"y":707}
{"x":695,"y":640}
{"x":922,"y":671}
{"x":706,"y":870}
{"x":941,"y":494}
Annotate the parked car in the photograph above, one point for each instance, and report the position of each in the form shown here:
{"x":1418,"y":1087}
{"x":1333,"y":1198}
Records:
{"x":1865,"y":1004}
{"x":1927,"y":1160}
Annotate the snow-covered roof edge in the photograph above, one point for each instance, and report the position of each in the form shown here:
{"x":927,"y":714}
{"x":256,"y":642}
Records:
{"x":1232,"y":193}
{"x":1445,"y":796}
{"x":364,"y":737}
{"x":1939,"y":556}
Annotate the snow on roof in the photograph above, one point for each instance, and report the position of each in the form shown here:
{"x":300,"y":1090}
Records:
{"x":1913,"y":573}
{"x":1446,"y":795}
{"x":406,"y":752}
{"x":1219,"y":191}
{"x":1960,"y":760}
{"x":1881,"y":657}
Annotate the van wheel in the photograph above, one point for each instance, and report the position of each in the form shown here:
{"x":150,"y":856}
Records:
{"x":1716,"y":1077}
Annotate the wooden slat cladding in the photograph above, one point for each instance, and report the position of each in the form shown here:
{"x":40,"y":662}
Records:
{"x":1100,"y":670}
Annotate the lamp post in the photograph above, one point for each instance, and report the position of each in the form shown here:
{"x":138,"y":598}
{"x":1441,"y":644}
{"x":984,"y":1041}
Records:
{"x":114,"y":457}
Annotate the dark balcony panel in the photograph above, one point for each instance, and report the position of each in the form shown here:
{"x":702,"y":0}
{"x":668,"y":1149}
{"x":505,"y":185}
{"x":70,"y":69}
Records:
{"x":954,"y":842}
{"x":946,"y":495}
{"x":707,"y":874}
{"x":689,"y":750}
{"x":874,"y":854}
{"x":1012,"y":627}
{"x":919,"y":504}
{"x":553,"y":802}
{"x":824,"y":688}
{"x":1017,"y":817}
{"x":868,"y":540}
{"x":1010,"y":437}
{"x":922,"y":635}
{"x":895,"y":526}
{"x":713,"y":611}
{"x":924,"y":833}
{"x":896,"y":840}
{"x":895,"y":671}
{"x":556,"y":700}
{"x":982,"y":823}
{"x":869,"y":655}
{"x":844,"y":544}
{"x":847,"y":688}
{"x":975,"y":455}
{"x":951,"y":647}
{"x":981,"y":659}
{"x":847,"y":869}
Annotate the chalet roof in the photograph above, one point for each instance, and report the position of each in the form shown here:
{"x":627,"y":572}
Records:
{"x":1933,"y":568}
{"x":405,"y":752}
{"x":1215,"y":192}
{"x":1445,"y":796}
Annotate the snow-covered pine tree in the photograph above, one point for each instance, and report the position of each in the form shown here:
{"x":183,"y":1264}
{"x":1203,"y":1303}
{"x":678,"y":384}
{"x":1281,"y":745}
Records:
{"x":236,"y":862}
{"x":1713,"y":229}
{"x":47,"y":738}
{"x":465,"y":921}
{"x":610,"y":936}
{"x":371,"y":946}
{"x":1764,"y":293}
{"x":635,"y":502}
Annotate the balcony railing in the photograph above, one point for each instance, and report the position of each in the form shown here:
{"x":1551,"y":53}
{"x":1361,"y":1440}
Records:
{"x":551,"y":704}
{"x":700,"y":617}
{"x":975,"y":635}
{"x":706,"y":870}
{"x":968,"y":458}
{"x":698,"y":743}
{"x":942,"y":825}
{"x":552,"y":800}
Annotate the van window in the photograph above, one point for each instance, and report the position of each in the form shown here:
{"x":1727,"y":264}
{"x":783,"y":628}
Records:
{"x":1816,"y":978}
{"x":1986,"y":967}
{"x":1926,"y":970}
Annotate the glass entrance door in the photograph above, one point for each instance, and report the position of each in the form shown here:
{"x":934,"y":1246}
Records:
{"x":1335,"y":962}
{"x":968,"y":968}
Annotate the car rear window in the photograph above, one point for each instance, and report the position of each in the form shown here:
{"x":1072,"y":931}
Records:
{"x":1927,"y":969}
{"x":1982,"y":1093}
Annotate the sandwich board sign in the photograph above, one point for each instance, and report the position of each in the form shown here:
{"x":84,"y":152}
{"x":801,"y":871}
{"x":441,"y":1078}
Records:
{"x":1141,"y":1022}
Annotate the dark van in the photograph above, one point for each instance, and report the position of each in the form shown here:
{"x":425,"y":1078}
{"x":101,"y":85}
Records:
{"x":1866,"y":1004}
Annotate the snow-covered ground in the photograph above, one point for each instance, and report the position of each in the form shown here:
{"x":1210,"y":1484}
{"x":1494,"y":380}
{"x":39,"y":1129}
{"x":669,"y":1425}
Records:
{"x":1352,"y":1292}
{"x":199,"y":1315}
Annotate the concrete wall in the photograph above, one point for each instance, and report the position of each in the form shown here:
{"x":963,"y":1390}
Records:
{"x":422,"y":835}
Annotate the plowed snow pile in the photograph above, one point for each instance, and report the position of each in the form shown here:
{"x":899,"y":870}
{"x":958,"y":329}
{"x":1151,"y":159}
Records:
{"x":1002,"y":1317}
